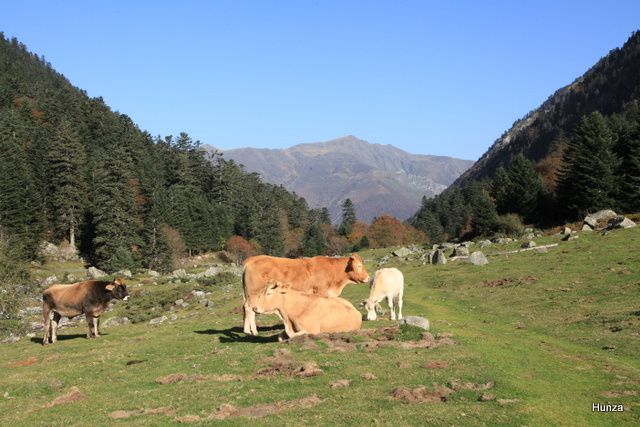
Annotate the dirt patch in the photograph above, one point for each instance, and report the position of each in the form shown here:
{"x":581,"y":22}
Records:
{"x":624,"y":393}
{"x":369,"y":376}
{"x":436,"y":364}
{"x":236,"y":310}
{"x":404,"y":365}
{"x":283,"y":363}
{"x":256,"y":411}
{"x":163,"y":410}
{"x":507,"y":401}
{"x":74,"y":395}
{"x":341,"y":384}
{"x":458,"y":385}
{"x":486,"y":397}
{"x":177,"y":378}
{"x":20,"y":363}
{"x":51,"y":358}
{"x":510,"y":281}
{"x":56,"y":384}
{"x":421,"y":394}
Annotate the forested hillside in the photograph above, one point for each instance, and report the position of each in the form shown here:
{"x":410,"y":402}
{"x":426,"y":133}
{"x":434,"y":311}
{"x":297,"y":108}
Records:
{"x":73,"y":170}
{"x":578,"y":153}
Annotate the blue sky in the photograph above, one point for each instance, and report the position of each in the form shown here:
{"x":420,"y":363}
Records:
{"x":443,"y":78}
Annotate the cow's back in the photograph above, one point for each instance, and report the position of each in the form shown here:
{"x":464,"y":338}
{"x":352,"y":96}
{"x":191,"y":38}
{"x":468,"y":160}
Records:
{"x":310,"y":275}
{"x":325,"y":314}
{"x":387,"y":279}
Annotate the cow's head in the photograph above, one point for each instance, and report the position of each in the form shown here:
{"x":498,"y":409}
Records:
{"x":270,"y":298}
{"x":355,"y":269}
{"x":118,"y":289}
{"x":373,"y":309}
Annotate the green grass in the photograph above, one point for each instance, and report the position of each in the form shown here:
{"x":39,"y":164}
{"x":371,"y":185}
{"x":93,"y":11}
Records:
{"x":561,"y":330}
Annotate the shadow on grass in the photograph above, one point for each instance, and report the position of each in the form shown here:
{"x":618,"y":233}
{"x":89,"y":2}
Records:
{"x":38,"y":340}
{"x":236,"y":334}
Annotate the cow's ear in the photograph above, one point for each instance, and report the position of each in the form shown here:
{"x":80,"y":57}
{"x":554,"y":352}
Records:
{"x":110,"y":287}
{"x":352,"y":257}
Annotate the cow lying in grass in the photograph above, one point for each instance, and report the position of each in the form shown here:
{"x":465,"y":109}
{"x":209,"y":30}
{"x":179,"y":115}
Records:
{"x":387,"y":283}
{"x":304,"y":313}
{"x":320,"y":275}
{"x":90,"y":298}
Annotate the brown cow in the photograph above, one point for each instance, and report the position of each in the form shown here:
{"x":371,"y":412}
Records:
{"x":90,"y":298}
{"x":319,"y":275}
{"x":304,"y":313}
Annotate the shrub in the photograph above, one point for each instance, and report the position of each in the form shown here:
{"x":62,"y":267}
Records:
{"x":510,"y":225}
{"x":15,"y":284}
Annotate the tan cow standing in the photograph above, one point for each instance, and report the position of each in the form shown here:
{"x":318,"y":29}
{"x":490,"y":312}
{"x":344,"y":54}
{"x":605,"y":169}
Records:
{"x":90,"y":298}
{"x":304,"y":313}
{"x":387,"y":283}
{"x":324,"y":276}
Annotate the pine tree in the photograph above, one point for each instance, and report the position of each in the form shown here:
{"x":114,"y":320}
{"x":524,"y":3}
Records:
{"x":523,"y":188}
{"x":627,"y":148}
{"x":67,"y":187}
{"x":348,"y":217}
{"x":586,"y":180}
{"x":313,"y":242}
{"x":499,"y":189}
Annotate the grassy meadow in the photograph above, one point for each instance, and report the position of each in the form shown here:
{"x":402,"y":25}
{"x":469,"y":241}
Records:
{"x":537,"y":338}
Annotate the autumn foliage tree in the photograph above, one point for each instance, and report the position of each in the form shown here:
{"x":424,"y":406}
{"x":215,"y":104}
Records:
{"x":386,"y":230}
{"x":239,"y":248}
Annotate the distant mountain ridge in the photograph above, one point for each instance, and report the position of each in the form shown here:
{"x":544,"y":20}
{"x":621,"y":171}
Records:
{"x":377,"y":178}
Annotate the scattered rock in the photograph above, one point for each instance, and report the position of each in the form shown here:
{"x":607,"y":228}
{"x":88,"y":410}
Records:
{"x":49,"y":281}
{"x":124,"y":273}
{"x":603,"y":215}
{"x":621,"y":222}
{"x":369,"y":376}
{"x":570,"y":237}
{"x":528,"y":244}
{"x":64,"y":252}
{"x":502,"y":240}
{"x":457,"y":385}
{"x":402,"y":252}
{"x":74,"y":395}
{"x":484,"y":243}
{"x":153,"y":273}
{"x":541,"y":250}
{"x":179,"y":274}
{"x":158,"y":320}
{"x":566,"y":230}
{"x":115,"y":321}
{"x":30,"y":311}
{"x":198,"y":294}
{"x":95,"y":273}
{"x":383,"y":260}
{"x":478,"y":258}
{"x":10,"y":339}
{"x":586,"y":227}
{"x":486,"y":397}
{"x":439,"y":258}
{"x":461,"y":251}
{"x":417,"y":321}
{"x":341,"y":384}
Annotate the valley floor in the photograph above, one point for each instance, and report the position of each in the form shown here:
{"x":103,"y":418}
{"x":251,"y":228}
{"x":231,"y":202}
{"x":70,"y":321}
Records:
{"x":538,"y":338}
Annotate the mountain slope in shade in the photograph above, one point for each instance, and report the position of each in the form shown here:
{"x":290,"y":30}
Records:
{"x":377,"y":178}
{"x":612,"y":83}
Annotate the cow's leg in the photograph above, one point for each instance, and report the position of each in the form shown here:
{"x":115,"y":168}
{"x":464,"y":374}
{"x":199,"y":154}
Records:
{"x":390,"y":301}
{"x":400,"y":306}
{"x":54,"y":327}
{"x":89,"y":325}
{"x":96,"y":322}
{"x":250,"y":327}
{"x":46,"y":317}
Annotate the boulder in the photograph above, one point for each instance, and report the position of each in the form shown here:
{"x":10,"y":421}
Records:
{"x":447,"y":245}
{"x":198,"y":294}
{"x":621,"y":222}
{"x":179,"y":274}
{"x":541,"y":250}
{"x":30,"y":311}
{"x":10,"y":339}
{"x":566,"y":230}
{"x":466,"y":244}
{"x":49,"y":281}
{"x":124,"y":273}
{"x":529,"y":236}
{"x":529,"y":244}
{"x":153,"y":273}
{"x":402,"y":252}
{"x":383,"y":260}
{"x":417,"y":321}
{"x":115,"y":321}
{"x":586,"y":227}
{"x":461,"y":251}
{"x":484,"y":243}
{"x":158,"y":320}
{"x":438,"y":257}
{"x":570,"y":237}
{"x":95,"y":273}
{"x":502,"y":240}
{"x":478,"y":258}
{"x":590,"y":221}
{"x":603,"y":215}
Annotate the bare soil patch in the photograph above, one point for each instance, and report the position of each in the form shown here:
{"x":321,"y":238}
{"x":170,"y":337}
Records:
{"x":177,"y":378}
{"x":436,"y":364}
{"x":163,"y":410}
{"x":437,"y":394}
{"x":510,"y":281}
{"x":369,"y":376}
{"x":341,"y":384}
{"x":74,"y":395}
{"x":261,"y":410}
{"x":625,"y":393}
{"x":282,"y":363}
{"x":20,"y":363}
{"x":458,"y":385}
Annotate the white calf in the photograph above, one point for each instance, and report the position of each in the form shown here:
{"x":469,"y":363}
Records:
{"x":387,"y":283}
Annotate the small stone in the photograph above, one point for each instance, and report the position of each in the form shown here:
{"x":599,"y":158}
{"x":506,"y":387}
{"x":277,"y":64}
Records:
{"x":198,"y":294}
{"x":439,"y":258}
{"x":158,"y":320}
{"x":461,"y":251}
{"x":529,"y":244}
{"x":478,"y":258}
{"x":417,"y":321}
{"x":124,"y":273}
{"x":541,"y":250}
{"x":402,"y":252}
{"x":95,"y":273}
